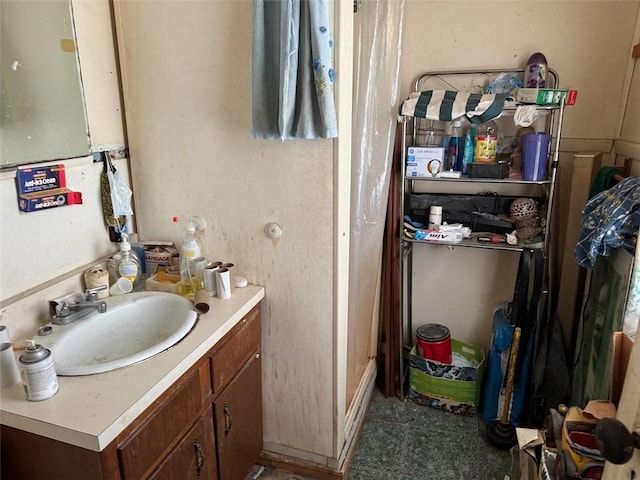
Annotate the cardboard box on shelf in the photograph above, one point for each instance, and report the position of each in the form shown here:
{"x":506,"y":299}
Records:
{"x":424,"y":161}
{"x":455,"y":387}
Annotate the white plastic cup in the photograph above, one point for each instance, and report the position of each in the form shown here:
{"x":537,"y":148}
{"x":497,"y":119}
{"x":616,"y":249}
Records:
{"x":123,"y":285}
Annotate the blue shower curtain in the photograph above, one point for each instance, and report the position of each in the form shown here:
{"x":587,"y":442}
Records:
{"x":292,"y":70}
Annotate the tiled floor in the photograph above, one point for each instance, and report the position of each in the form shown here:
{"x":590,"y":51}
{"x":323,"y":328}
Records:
{"x":404,"y":441}
{"x":401,"y":441}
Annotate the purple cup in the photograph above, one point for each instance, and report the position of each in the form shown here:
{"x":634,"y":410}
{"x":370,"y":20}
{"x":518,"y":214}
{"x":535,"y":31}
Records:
{"x":535,"y":150}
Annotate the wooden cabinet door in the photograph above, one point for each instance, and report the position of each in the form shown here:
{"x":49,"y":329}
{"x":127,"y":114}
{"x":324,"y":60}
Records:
{"x":194,"y":457}
{"x":165,"y":420}
{"x":238,"y":422}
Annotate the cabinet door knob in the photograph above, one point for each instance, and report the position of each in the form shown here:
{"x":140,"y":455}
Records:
{"x":228,"y":421}
{"x":199,"y":456}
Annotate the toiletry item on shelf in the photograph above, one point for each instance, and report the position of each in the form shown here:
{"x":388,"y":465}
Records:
{"x":128,"y":265}
{"x":455,"y":150}
{"x":535,"y":73}
{"x":435,"y":217}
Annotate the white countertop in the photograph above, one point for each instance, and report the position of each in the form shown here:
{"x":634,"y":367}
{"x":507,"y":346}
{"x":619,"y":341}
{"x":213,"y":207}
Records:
{"x":90,"y":411}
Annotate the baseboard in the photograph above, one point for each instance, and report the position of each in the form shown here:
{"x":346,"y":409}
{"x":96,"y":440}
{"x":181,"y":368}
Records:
{"x":298,"y":467}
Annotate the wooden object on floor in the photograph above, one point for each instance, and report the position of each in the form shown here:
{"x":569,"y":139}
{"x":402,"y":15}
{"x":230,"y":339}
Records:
{"x":391,"y":321}
{"x":579,"y":176}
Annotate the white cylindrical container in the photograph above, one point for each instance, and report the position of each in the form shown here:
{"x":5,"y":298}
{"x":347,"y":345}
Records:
{"x":210,"y":278}
{"x":4,"y":334}
{"x":9,"y":374}
{"x":97,"y":276}
{"x":38,"y":372}
{"x":435,"y":217}
{"x":223,"y":283}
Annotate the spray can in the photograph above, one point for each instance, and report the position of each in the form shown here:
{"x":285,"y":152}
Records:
{"x":38,"y":372}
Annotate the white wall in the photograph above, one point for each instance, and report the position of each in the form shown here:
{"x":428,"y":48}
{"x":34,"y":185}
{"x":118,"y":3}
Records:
{"x":588,"y":43}
{"x":186,"y":84}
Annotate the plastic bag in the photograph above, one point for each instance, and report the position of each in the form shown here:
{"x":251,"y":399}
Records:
{"x":120,"y":194}
{"x":505,"y":83}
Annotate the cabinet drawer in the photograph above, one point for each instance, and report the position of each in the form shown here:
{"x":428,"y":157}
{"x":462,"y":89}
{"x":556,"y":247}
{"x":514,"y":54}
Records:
{"x":235,"y":350}
{"x":150,"y":440}
{"x":194,"y":457}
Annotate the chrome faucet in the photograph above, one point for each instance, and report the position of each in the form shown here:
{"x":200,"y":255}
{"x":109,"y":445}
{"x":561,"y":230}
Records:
{"x":64,"y":313}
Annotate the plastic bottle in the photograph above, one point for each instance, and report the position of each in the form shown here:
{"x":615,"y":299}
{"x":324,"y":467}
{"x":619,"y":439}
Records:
{"x":138,"y":248}
{"x":535,"y":73}
{"x":455,"y":150}
{"x":191,"y":249}
{"x":128,"y":265}
{"x":486,"y":145}
{"x":469,"y":141}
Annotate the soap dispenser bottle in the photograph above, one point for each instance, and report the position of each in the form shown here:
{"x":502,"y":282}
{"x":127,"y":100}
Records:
{"x":128,"y":265}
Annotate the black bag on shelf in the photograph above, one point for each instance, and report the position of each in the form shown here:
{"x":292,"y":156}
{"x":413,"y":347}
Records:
{"x":480,"y":222}
{"x":490,"y":202}
{"x":479,"y":212}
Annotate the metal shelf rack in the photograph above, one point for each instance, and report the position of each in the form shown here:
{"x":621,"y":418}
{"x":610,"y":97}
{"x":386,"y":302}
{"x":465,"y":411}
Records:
{"x":552,"y":118}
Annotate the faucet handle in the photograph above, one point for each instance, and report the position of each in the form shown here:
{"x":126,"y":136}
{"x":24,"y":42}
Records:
{"x":91,"y":294}
{"x":62,"y":309}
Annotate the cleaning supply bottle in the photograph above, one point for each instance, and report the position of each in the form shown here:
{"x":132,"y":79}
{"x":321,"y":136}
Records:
{"x":128,"y":265}
{"x":486,"y":145}
{"x":190,"y":252}
{"x":455,"y":150}
{"x":467,"y":155}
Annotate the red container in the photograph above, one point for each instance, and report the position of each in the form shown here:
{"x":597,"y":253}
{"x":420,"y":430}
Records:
{"x":434,"y":342}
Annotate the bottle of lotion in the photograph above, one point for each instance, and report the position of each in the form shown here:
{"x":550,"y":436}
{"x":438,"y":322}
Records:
{"x":535,"y":73}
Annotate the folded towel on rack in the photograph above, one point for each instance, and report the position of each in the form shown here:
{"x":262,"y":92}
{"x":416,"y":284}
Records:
{"x":447,"y":105}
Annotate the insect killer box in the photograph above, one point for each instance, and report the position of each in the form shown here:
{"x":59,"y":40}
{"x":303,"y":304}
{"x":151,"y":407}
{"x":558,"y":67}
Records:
{"x":424,"y":161}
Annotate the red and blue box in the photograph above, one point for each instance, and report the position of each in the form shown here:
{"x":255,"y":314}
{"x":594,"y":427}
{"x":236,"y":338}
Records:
{"x":44,"y":187}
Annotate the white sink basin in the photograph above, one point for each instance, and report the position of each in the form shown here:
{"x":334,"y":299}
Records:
{"x":135,"y":326}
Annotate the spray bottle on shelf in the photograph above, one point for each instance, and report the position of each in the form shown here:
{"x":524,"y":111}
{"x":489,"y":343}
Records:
{"x":192,"y":257}
{"x":455,"y":149}
{"x":128,"y":265}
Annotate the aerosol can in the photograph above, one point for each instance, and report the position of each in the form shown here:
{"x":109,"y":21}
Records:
{"x":38,"y":372}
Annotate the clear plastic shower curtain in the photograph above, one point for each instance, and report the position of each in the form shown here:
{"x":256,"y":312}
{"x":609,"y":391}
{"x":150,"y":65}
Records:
{"x":377,"y":49}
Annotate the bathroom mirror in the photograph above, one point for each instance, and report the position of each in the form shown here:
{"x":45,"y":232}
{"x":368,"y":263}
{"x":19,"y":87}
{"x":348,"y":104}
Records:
{"x":42,"y":112}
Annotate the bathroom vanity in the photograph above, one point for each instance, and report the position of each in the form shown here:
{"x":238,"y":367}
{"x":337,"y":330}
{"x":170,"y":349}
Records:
{"x":192,"y":411}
